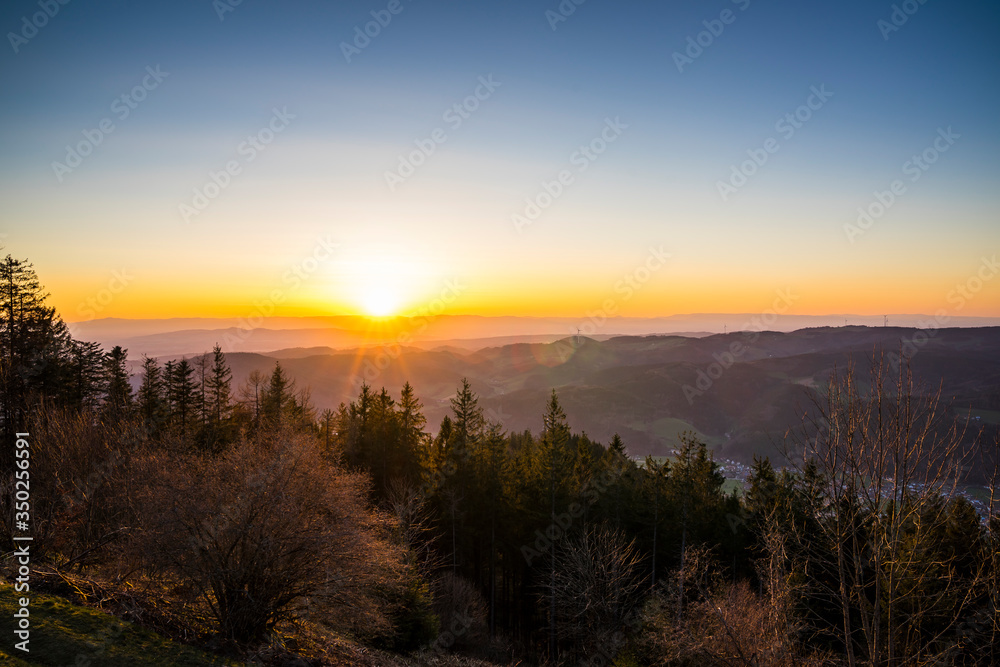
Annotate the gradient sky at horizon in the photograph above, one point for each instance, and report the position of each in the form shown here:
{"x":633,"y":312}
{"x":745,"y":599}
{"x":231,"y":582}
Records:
{"x":322,"y":179}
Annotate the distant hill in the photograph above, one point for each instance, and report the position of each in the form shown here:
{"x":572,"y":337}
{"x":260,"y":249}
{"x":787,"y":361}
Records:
{"x":182,"y":336}
{"x":649,"y":388}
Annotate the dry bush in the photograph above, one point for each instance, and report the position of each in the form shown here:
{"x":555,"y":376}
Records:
{"x":740,"y":627}
{"x":262,"y":531}
{"x":266,"y":531}
{"x":462,"y":613}
{"x":721,"y":623}
{"x":80,"y":484}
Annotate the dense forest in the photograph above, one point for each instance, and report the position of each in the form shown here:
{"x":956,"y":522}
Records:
{"x":244,"y":520}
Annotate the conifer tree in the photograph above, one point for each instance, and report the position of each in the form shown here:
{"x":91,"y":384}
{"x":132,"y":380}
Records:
{"x":439,"y":446}
{"x":327,"y":421}
{"x":201,"y":400}
{"x":617,"y":459}
{"x":35,"y":346}
{"x":152,"y":400}
{"x":695,"y":486}
{"x":383,"y":454}
{"x":354,"y":429}
{"x":119,"y":400}
{"x":656,"y":478}
{"x":87,"y":379}
{"x":279,"y":398}
{"x":183,"y":396}
{"x":465,"y":434}
{"x":218,"y":398}
{"x":491,"y":469}
{"x":555,"y":463}
{"x":412,"y":437}
{"x":467,"y":420}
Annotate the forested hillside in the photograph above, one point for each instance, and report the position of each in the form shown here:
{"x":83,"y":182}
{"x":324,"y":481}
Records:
{"x":649,"y":389}
{"x":230,"y":513}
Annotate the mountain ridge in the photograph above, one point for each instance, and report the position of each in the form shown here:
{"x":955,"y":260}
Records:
{"x":649,"y":388}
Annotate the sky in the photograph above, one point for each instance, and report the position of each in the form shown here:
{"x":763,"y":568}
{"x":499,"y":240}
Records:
{"x":196,"y":159}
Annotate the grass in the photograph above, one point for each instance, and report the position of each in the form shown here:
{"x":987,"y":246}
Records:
{"x":980,"y":493}
{"x":731,"y":485}
{"x":988,"y":416}
{"x":64,"y":634}
{"x":670,"y":429}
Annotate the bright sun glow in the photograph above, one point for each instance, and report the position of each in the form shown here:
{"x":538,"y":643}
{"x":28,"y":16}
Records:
{"x":386,"y":282}
{"x":379,"y":301}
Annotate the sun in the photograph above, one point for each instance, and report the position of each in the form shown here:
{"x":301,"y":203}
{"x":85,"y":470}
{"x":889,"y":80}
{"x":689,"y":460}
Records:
{"x":386,"y":282}
{"x":380,"y":301}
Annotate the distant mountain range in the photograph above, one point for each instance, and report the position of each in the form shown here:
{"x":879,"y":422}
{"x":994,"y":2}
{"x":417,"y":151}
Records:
{"x":185,"y":336}
{"x":740,"y":391}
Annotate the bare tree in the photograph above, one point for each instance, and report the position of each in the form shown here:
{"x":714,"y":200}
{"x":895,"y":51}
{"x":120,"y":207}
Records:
{"x":252,"y":395}
{"x":889,"y":454}
{"x":595,"y":586}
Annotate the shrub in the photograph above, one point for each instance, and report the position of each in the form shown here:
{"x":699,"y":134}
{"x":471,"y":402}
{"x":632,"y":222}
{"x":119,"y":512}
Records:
{"x":259,"y":529}
{"x":81,"y":486}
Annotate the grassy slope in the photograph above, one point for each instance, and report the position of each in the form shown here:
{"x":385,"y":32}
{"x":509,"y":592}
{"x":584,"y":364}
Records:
{"x":64,"y":634}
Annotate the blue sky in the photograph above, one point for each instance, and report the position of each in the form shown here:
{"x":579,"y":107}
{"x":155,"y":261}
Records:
{"x":656,"y":184}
